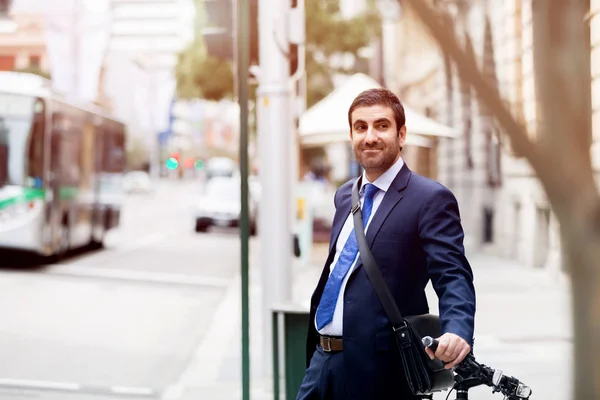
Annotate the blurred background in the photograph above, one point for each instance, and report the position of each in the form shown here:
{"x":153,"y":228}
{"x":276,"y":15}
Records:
{"x":120,"y":184}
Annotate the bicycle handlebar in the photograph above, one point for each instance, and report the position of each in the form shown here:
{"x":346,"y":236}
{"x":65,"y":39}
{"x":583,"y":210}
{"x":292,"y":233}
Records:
{"x":470,"y":369}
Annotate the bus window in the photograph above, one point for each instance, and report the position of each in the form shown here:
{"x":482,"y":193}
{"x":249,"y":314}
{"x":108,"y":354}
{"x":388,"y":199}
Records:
{"x":114,"y":150}
{"x":3,"y":153}
{"x":21,"y":132}
{"x":64,"y":159}
{"x":36,"y":148}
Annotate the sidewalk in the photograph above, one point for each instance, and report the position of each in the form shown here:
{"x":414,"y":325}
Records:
{"x":523,"y":327}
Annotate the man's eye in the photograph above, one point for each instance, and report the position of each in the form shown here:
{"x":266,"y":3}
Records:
{"x":382,"y":126}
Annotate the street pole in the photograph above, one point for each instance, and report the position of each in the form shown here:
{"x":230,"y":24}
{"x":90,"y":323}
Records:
{"x":76,"y":15}
{"x":242,"y":58}
{"x":274,"y":140}
{"x":390,"y":11}
{"x":154,"y":146}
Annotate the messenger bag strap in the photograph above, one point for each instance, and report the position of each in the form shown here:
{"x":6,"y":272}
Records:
{"x":369,"y":264}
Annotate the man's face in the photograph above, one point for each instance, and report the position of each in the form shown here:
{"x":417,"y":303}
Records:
{"x":375,"y":138}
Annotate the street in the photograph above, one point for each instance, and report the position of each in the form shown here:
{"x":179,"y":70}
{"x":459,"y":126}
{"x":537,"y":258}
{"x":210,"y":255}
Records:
{"x":118,"y":322}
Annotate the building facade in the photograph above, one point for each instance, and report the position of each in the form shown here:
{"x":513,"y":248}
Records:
{"x":526,"y":228}
{"x":504,"y":208}
{"x":146,"y":37}
{"x":22,"y":41}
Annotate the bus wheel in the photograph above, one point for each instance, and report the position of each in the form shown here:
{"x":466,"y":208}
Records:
{"x":96,"y":244}
{"x":62,"y":248}
{"x":97,"y":241}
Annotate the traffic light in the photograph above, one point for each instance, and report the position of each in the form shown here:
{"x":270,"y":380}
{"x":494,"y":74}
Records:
{"x":172,"y":163}
{"x":219,"y":34}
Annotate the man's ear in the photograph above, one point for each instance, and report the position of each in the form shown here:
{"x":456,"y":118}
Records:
{"x":402,"y":135}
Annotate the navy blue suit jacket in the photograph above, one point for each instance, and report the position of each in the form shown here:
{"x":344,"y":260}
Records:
{"x":415,"y":235}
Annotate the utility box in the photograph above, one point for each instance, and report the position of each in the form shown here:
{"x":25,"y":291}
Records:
{"x":290,"y":326}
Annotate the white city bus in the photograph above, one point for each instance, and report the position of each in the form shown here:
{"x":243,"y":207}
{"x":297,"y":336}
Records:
{"x":61,"y":169}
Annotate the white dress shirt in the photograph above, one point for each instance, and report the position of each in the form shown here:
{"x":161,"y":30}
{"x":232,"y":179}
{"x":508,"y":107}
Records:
{"x":335,"y":327}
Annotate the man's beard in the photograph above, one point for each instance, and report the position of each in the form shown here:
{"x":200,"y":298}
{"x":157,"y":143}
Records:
{"x":379,"y":162}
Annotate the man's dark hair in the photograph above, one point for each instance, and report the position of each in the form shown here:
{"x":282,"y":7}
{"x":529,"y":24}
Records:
{"x":379,"y":97}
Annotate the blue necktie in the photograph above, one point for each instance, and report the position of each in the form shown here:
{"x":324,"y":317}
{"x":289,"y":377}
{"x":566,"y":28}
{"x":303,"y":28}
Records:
{"x":345,"y":261}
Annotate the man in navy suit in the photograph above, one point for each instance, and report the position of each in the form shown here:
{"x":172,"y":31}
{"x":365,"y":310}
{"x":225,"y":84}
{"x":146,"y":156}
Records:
{"x":414,"y":231}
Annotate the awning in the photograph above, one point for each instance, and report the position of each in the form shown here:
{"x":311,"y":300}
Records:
{"x":327,"y":121}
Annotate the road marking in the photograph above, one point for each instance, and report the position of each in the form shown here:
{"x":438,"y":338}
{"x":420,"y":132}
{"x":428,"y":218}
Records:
{"x":86,"y":271}
{"x":134,"y":391}
{"x":34,"y":384}
{"x":205,"y":365}
{"x":27,"y":384}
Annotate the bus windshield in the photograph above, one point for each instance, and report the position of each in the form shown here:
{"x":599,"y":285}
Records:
{"x":21,"y":140}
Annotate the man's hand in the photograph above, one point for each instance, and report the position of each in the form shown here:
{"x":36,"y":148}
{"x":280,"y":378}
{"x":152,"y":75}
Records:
{"x":452,"y":349}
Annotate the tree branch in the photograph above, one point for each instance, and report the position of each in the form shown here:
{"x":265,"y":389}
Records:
{"x":559,"y":29}
{"x":467,"y":68}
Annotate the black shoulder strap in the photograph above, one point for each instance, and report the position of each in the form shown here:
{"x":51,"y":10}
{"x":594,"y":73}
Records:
{"x":369,"y":264}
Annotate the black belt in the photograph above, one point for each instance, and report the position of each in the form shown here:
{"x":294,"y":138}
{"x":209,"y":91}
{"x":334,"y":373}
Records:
{"x":331,"y":344}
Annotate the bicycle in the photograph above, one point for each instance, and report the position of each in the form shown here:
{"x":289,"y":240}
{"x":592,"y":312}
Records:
{"x":469,"y":374}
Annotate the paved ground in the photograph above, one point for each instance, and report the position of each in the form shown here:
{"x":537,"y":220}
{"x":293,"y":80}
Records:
{"x":523,"y":328}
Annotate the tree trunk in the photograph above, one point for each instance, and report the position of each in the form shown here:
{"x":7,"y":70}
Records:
{"x":581,"y":252}
{"x":560,"y":155}
{"x":563,"y":84}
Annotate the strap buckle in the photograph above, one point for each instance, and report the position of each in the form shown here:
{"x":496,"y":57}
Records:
{"x":403,"y":336}
{"x":400,"y":327}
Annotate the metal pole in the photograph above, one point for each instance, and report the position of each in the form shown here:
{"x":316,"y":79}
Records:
{"x":243,"y":60}
{"x":390,"y":11}
{"x":274,"y":137}
{"x":154,"y":145}
{"x":75,"y":42}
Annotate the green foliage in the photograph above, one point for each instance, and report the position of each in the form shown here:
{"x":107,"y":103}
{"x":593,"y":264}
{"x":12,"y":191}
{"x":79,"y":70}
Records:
{"x":200,"y":75}
{"x":34,"y":70}
{"x":137,"y":153}
{"x":328,"y":34}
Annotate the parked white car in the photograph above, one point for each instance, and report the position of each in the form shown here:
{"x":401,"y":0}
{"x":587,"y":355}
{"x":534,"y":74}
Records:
{"x":219,"y":204}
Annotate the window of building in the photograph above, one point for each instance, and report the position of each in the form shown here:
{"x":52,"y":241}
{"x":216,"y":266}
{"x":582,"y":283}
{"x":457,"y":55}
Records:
{"x":495,"y":159}
{"x":4,"y":7}
{"x":518,"y":101}
{"x":493,"y":151}
{"x":542,"y":236}
{"x":516,"y":229}
{"x":7,"y":63}
{"x":467,"y":110}
{"x":488,"y":225}
{"x":449,"y":113}
{"x":35,"y":61}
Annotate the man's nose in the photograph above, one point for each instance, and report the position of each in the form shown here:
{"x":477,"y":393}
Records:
{"x":371,"y":135}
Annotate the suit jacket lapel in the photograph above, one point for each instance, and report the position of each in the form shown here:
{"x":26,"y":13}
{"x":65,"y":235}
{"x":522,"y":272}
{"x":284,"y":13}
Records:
{"x":391,"y":198}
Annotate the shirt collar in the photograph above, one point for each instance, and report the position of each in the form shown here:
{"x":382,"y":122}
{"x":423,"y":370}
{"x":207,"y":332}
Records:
{"x":384,"y":182}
